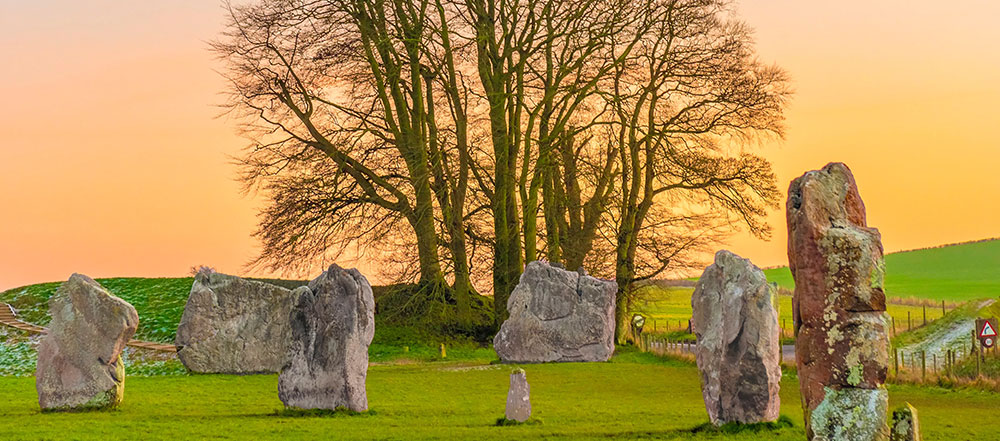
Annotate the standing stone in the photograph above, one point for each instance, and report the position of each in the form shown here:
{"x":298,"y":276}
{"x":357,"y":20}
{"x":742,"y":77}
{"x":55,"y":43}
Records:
{"x":838,"y":307}
{"x":735,"y":319}
{"x":558,"y":315}
{"x":518,"y":397}
{"x":235,"y":326}
{"x":79,"y":359}
{"x":905,"y":424}
{"x":333,"y":323}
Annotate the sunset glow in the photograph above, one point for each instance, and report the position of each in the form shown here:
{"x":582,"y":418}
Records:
{"x":114,"y":160}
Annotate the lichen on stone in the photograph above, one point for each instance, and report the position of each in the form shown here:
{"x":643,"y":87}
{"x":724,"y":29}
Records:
{"x":851,"y":414}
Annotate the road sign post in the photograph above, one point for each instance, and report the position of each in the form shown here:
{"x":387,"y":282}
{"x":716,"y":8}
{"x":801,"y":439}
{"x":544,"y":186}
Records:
{"x":986,"y":331}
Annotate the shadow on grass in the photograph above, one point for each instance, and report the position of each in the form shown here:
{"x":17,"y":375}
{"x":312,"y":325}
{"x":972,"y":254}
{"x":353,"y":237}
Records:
{"x":88,"y":409}
{"x":783,"y":422}
{"x":503,"y":421}
{"x":339,"y":412}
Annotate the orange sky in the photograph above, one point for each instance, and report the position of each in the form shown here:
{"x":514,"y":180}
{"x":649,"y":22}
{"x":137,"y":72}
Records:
{"x":112,"y":163}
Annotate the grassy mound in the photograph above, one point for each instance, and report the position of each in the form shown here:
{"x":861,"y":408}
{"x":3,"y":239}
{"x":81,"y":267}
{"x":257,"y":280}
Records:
{"x":430,"y":313}
{"x":159,"y":302}
{"x":416,"y":336}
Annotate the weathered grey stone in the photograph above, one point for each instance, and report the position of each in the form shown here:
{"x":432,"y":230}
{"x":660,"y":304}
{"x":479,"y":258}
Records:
{"x":905,"y":424}
{"x":333,"y":323}
{"x":518,"y":397}
{"x":234,"y":326}
{"x":839,"y":303}
{"x":79,"y":359}
{"x":558,"y":315}
{"x":735,"y":319}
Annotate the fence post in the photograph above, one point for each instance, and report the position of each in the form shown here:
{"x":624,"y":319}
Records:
{"x":972,"y":349}
{"x":925,"y":315}
{"x":923,"y":365}
{"x":895,"y":355}
{"x":894,"y":326}
{"x":934,"y":366}
{"x":909,"y":324}
{"x":979,"y":359}
{"x":943,"y":312}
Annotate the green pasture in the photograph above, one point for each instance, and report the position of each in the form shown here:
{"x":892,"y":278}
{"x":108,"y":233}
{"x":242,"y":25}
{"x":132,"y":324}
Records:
{"x":633,"y":396}
{"x":955,"y":273}
{"x":666,"y":308}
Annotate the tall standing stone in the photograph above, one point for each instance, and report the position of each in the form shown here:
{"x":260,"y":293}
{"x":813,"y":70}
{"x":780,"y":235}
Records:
{"x":333,"y":323}
{"x":735,"y":319}
{"x":838,"y":307}
{"x":235,"y":326}
{"x":558,"y":315}
{"x":518,"y":397}
{"x":79,"y":359}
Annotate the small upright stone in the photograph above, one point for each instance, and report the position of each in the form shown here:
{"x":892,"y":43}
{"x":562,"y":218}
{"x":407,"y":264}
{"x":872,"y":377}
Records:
{"x":905,"y":424}
{"x":333,"y":323}
{"x":838,"y":308}
{"x":735,"y":319}
{"x":79,"y":359}
{"x":518,"y":397}
{"x":556,"y":316}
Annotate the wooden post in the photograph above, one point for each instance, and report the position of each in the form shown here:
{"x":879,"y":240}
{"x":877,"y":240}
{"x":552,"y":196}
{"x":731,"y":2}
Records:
{"x":925,"y":315}
{"x":909,"y":324}
{"x":902,"y":358}
{"x":894,"y":326}
{"x":934,"y":366}
{"x":943,"y":311}
{"x":979,"y":360}
{"x":923,"y":365}
{"x":654,"y":325}
{"x":895,"y":356}
{"x":972,"y":349}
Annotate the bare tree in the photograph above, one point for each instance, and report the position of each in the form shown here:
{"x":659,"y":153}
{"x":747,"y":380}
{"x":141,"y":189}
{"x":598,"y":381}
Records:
{"x":453,"y":127}
{"x":341,"y":100}
{"x":692,"y":93}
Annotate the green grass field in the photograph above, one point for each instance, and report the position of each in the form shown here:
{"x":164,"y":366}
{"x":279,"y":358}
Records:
{"x":953,"y":273}
{"x":634,"y":396}
{"x":670,"y":307}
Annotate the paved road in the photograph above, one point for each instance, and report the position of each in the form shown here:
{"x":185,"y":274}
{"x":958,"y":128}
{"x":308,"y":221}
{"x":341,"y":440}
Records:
{"x":788,"y":354}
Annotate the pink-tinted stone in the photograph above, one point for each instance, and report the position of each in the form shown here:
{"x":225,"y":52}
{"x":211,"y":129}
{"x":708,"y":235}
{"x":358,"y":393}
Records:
{"x":839,"y":303}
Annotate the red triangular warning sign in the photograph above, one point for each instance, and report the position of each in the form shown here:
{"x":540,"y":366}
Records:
{"x":987,"y":330}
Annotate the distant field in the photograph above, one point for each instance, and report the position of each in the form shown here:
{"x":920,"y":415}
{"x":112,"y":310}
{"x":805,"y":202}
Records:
{"x":635,"y":396}
{"x":665,"y":306}
{"x":953,"y":273}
